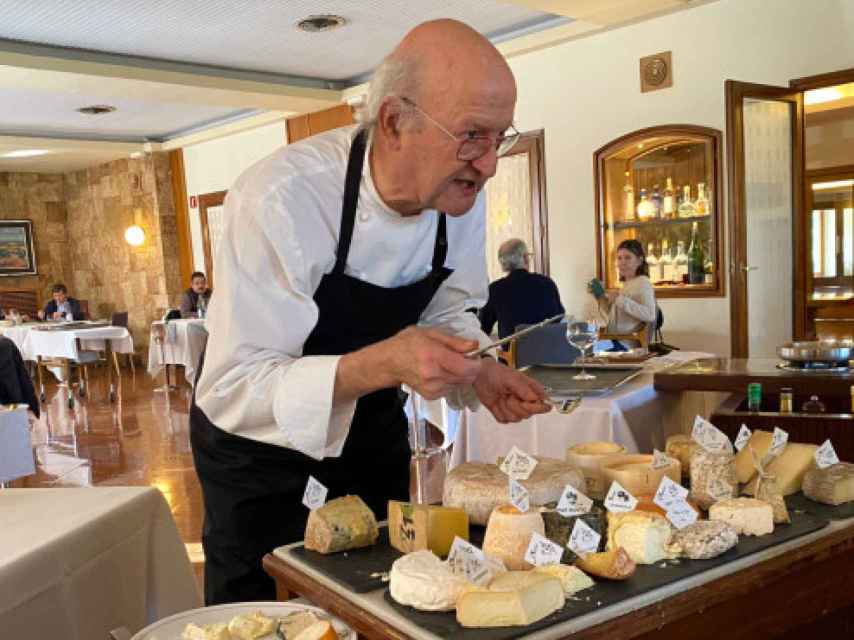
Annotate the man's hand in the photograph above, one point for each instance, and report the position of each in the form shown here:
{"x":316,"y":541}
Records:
{"x":57,"y":315}
{"x":510,"y":396}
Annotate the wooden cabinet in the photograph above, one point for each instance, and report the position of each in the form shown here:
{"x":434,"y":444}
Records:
{"x":309,"y":124}
{"x":662,"y":187}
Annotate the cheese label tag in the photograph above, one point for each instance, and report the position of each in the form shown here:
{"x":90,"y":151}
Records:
{"x":681,"y":514}
{"x":660,"y":460}
{"x":542,"y":551}
{"x":825,"y":455}
{"x":778,"y":441}
{"x":669,"y":493}
{"x":466,"y":559}
{"x":619,"y":500}
{"x":743,"y":437}
{"x":573,"y":503}
{"x":519,"y":497}
{"x":315,"y":494}
{"x":710,"y":437}
{"x":583,"y":539}
{"x":518,"y":465}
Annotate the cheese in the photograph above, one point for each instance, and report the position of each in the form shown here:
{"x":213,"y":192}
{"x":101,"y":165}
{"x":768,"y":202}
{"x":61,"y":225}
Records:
{"x":559,"y":528}
{"x":635,"y":473}
{"x":516,"y":598}
{"x":295,"y":623}
{"x":747,"y":516}
{"x":760,"y":442}
{"x":478,"y":488}
{"x":611,"y":565}
{"x":341,"y":524}
{"x":206,"y":632}
{"x":321,"y":630}
{"x":572,"y":578}
{"x":681,"y":447}
{"x":251,"y":626}
{"x":508,"y":535}
{"x":422,"y":581}
{"x":832,"y":485}
{"x":789,"y":468}
{"x":589,"y":457}
{"x":413,"y":527}
{"x":646,"y":502}
{"x":768,"y":491}
{"x":713,"y":477}
{"x":643,"y":535}
{"x":703,"y":540}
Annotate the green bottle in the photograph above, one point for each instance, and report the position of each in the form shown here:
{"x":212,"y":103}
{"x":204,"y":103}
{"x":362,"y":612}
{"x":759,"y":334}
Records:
{"x":696,"y":259}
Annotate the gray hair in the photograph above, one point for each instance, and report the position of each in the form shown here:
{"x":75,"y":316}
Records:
{"x":512,"y":254}
{"x":395,"y":76}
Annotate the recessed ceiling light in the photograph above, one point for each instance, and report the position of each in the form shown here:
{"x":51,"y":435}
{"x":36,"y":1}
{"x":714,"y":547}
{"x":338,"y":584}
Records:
{"x":818,"y":96}
{"x":96,"y":109}
{"x":321,"y":22}
{"x":25,"y":153}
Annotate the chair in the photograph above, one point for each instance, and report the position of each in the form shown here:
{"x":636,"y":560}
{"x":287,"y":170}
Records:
{"x":546,"y":345}
{"x":120,"y":319}
{"x":84,"y":310}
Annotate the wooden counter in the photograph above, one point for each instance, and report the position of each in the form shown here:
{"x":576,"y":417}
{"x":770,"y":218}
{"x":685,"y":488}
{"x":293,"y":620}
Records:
{"x":800,"y":589}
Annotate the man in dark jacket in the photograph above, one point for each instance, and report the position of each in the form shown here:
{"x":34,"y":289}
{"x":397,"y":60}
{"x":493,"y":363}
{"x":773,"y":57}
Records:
{"x":196,"y":297}
{"x":520,"y":297}
{"x":61,"y":306}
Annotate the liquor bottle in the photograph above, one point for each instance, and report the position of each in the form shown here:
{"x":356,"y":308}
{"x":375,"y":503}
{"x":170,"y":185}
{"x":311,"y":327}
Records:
{"x":666,"y":263}
{"x":686,"y":207}
{"x":629,"y":198}
{"x":645,"y":209}
{"x":702,"y":203}
{"x":680,"y":263}
{"x":653,"y":262}
{"x":656,"y":201}
{"x":668,"y":205}
{"x":696,"y":259}
{"x":709,"y":267}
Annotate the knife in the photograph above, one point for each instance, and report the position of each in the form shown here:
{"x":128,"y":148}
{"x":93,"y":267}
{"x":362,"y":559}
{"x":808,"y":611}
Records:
{"x":513,"y":336}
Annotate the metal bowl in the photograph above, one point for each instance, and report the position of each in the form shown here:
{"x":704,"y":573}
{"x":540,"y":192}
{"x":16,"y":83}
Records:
{"x":817,"y":351}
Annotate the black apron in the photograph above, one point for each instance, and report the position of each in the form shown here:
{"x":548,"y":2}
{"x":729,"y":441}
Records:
{"x":252,"y":490}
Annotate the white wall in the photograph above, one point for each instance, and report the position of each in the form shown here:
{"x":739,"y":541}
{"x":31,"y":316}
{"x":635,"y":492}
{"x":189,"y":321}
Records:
{"x":586,"y":92}
{"x":214,"y":165}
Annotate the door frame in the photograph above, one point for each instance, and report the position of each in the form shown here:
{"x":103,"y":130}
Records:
{"x":206,"y":200}
{"x":735,"y":93}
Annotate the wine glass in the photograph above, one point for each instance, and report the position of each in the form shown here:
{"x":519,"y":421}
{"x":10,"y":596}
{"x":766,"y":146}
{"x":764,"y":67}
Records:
{"x":582,"y":335}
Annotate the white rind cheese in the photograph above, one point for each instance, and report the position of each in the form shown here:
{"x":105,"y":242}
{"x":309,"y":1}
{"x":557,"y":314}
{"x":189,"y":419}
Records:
{"x":478,"y":488}
{"x":713,"y":477}
{"x":832,"y":485}
{"x":703,"y":540}
{"x":748,"y":516}
{"x":516,"y":598}
{"x":422,"y":581}
{"x":508,"y":535}
{"x":571,"y":578}
{"x":789,"y":468}
{"x":644,"y":535}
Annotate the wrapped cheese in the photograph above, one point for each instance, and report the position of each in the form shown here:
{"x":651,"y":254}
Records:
{"x":832,"y":485}
{"x":559,"y":528}
{"x":767,"y":488}
{"x":713,"y":477}
{"x":680,"y":447}
{"x":636,"y":473}
{"x":589,"y":457}
{"x":789,"y":468}
{"x":759,"y":444}
{"x":341,"y":524}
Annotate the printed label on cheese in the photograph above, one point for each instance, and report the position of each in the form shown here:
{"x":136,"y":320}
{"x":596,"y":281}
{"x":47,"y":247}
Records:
{"x":669,"y":493}
{"x":519,"y":497}
{"x":710,"y":437}
{"x":466,"y":559}
{"x":619,"y":499}
{"x":518,"y":464}
{"x":660,"y":460}
{"x":583,"y":539}
{"x":743,"y":437}
{"x":573,"y":503}
{"x":315,"y":494}
{"x":681,"y":514}
{"x":825,"y":455}
{"x":778,"y":441}
{"x":542,"y":551}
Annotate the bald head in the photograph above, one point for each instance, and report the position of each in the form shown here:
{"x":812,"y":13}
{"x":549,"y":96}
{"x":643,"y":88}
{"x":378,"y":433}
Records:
{"x":513,"y":254}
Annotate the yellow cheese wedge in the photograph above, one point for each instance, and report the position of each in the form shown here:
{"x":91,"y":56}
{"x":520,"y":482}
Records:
{"x":414,"y":527}
{"x":789,"y":468}
{"x":760,"y":442}
{"x":515,"y":598}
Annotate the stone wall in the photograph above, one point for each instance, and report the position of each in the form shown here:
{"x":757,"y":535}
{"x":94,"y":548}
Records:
{"x":38,"y":197}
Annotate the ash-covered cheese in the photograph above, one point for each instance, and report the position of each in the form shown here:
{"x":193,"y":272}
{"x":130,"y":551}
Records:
{"x":559,"y":528}
{"x":703,"y":540}
{"x":748,"y":516}
{"x":833,"y":485}
{"x":713,"y":477}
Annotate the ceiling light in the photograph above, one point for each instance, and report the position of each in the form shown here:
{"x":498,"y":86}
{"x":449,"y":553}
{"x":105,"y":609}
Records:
{"x":817,"y":96}
{"x":25,"y":153}
{"x":134,"y":235}
{"x":835,"y":184}
{"x":321,"y":22}
{"x":96,"y":109}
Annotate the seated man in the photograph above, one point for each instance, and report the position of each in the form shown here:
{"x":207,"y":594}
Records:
{"x":520,"y":297}
{"x":61,"y":307}
{"x":196,"y":297}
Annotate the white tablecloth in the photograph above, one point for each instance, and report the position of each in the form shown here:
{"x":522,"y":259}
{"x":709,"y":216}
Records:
{"x":64,"y":344}
{"x":16,"y":449}
{"x":634,"y":415}
{"x":185,"y":342}
{"x":77,"y":563}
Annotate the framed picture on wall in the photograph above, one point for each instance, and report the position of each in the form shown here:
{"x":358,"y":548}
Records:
{"x":17,"y":255}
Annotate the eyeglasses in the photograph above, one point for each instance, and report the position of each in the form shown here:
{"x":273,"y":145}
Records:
{"x":473,"y":145}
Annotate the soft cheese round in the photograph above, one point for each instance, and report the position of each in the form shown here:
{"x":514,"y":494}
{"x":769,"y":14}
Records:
{"x":508,"y":535}
{"x":704,"y":539}
{"x":422,"y":581}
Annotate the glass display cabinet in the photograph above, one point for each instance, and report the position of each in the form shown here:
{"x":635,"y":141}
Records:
{"x":662,"y":187}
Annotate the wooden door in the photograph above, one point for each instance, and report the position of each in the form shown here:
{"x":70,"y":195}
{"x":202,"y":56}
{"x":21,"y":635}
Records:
{"x":210,"y":215}
{"x":309,"y":124}
{"x":765,"y":158}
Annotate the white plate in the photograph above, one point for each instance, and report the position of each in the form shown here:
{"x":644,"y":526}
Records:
{"x":172,"y":627}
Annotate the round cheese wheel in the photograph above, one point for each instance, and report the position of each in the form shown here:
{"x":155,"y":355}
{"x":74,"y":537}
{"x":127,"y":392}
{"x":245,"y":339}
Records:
{"x":588,"y":457}
{"x":508,"y":535}
{"x":635,"y":473}
{"x":681,"y":447}
{"x":422,"y":581}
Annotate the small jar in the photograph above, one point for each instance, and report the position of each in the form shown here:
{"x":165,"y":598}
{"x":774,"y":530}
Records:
{"x":754,"y":396}
{"x":786,"y":400}
{"x":814,"y":405}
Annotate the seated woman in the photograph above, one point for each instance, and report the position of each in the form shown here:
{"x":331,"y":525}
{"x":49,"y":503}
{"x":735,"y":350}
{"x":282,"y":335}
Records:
{"x":632,"y":308}
{"x":196,"y":298}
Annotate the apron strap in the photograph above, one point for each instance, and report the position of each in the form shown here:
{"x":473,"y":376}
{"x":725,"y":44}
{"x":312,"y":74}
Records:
{"x":355,"y":162}
{"x":440,"y":250}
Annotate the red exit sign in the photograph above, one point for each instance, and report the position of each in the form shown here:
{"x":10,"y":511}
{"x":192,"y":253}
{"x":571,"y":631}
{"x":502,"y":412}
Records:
{"x":194,"y":202}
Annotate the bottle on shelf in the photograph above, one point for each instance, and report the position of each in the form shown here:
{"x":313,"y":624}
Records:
{"x":702,"y":204}
{"x":645,"y":208}
{"x":686,"y":207}
{"x":665,"y":264}
{"x":629,"y":199}
{"x":653,"y":263}
{"x":709,"y":267}
{"x":696,"y":259}
{"x":656,"y":201}
{"x":680,"y":263}
{"x":668,"y":203}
